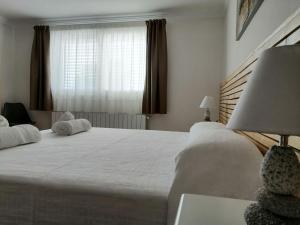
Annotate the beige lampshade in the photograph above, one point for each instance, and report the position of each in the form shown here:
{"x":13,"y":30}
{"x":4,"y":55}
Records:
{"x":270,"y":102}
{"x":208,"y":102}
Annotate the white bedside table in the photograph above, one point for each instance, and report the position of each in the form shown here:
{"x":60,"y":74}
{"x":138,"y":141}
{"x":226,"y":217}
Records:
{"x":208,"y":210}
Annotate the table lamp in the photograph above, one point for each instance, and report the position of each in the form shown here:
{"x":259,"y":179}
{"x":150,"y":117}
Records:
{"x":270,"y":104}
{"x":207,"y":103}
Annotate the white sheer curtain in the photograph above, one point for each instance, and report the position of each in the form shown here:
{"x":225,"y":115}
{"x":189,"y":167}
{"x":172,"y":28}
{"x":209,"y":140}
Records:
{"x":98,"y":68}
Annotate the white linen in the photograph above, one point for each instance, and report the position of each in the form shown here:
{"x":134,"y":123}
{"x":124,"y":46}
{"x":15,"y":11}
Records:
{"x":206,"y":125}
{"x":103,"y":177}
{"x":98,"y":68}
{"x":66,"y":116}
{"x":71,"y":127}
{"x":18,"y":135}
{"x":215,"y":162}
{"x":3,"y":122}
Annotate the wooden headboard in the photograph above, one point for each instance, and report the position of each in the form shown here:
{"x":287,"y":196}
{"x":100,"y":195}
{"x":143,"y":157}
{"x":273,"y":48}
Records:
{"x":287,"y":34}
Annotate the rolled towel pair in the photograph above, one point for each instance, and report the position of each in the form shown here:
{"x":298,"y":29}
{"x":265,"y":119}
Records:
{"x":67,"y":125}
{"x":71,"y":127}
{"x":18,"y":135}
{"x":3,"y":122}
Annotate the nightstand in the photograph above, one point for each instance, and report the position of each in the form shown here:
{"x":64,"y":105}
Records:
{"x":208,"y":210}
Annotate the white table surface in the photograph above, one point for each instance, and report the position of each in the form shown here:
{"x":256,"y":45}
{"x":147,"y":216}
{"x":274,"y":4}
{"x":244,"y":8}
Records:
{"x":208,"y":210}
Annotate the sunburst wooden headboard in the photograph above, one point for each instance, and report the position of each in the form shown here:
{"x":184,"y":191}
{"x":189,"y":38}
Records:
{"x":287,"y":34}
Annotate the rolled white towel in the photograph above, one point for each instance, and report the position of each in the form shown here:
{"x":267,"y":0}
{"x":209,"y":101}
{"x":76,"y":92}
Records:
{"x":18,"y":135}
{"x":3,"y":122}
{"x":66,"y":117}
{"x":71,"y":127}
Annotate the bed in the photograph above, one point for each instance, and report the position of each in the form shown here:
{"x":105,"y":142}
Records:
{"x":105,"y":176}
{"x":120,"y":176}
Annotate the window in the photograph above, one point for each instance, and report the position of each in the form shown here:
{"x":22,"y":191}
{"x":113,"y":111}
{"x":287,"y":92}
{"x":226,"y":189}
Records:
{"x":79,"y":66}
{"x":98,"y":68}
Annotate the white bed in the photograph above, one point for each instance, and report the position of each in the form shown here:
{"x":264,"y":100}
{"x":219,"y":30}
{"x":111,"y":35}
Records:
{"x":105,"y":176}
{"x":122,"y":177}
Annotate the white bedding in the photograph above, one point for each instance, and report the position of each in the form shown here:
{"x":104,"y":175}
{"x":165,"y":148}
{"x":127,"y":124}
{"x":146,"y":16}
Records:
{"x":216,"y":161}
{"x":103,"y":177}
{"x":18,"y":135}
{"x":122,"y":177}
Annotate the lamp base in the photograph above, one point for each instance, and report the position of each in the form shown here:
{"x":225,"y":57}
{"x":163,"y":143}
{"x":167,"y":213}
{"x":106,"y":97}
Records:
{"x":207,"y":119}
{"x":207,"y":115}
{"x":280,"y":171}
{"x":255,"y":215}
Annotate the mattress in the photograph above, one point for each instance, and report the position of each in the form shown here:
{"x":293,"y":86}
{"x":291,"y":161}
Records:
{"x":103,"y":177}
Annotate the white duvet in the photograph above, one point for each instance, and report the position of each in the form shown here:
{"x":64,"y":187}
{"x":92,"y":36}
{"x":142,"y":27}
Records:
{"x":103,"y":177}
{"x":122,"y":177}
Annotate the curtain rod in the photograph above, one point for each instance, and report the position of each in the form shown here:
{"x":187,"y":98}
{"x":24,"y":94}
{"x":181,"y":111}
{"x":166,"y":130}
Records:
{"x":101,"y":19}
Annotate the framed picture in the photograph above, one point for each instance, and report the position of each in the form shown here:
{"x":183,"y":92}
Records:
{"x":246,"y":10}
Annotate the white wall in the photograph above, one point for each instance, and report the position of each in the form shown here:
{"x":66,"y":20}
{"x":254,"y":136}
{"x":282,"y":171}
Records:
{"x":6,"y":62}
{"x":195,"y":51}
{"x":269,"y":16}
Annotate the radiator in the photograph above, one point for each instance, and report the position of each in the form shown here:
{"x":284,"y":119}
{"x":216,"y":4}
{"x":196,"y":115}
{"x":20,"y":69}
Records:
{"x":109,"y":120}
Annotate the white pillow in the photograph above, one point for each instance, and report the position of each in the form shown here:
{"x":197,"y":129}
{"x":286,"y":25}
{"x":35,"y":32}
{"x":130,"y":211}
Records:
{"x":207,"y":125}
{"x":217,"y":162}
{"x":201,"y":128}
{"x":18,"y":135}
{"x":3,"y":122}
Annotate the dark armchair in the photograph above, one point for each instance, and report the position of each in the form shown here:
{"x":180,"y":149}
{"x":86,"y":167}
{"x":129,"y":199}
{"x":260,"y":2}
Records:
{"x":16,"y":114}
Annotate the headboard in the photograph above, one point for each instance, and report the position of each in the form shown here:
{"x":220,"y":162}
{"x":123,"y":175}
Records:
{"x":287,"y":34}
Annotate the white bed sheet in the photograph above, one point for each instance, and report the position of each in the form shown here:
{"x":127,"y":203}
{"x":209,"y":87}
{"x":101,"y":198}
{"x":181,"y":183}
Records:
{"x":105,"y":176}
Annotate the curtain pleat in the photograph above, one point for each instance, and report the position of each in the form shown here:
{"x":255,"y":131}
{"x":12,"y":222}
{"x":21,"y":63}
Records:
{"x":40,"y":89}
{"x":155,"y":92}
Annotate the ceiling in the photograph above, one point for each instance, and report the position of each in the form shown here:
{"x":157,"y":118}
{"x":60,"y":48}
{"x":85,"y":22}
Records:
{"x":47,"y":9}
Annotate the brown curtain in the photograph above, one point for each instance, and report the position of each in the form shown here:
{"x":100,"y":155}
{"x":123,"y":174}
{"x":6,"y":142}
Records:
{"x":155,"y":93}
{"x":40,"y":90}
